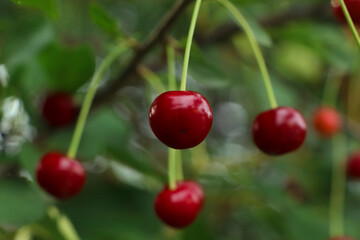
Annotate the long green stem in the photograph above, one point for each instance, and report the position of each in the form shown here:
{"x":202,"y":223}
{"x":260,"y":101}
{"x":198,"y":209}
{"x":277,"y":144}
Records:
{"x":337,"y":197}
{"x":90,"y":96}
{"x":179,"y":167}
{"x":189,"y":43}
{"x":350,"y":22}
{"x":240,"y":19}
{"x":172,"y":168}
{"x":171,"y":66}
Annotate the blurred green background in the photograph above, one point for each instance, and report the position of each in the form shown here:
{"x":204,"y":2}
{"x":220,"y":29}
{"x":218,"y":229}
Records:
{"x":51,"y":44}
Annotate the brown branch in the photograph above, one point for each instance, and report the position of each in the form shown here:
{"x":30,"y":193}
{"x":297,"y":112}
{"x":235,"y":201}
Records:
{"x":225,"y":31}
{"x":141,"y":52}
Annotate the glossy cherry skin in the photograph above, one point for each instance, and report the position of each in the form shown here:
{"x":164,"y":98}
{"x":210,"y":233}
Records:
{"x":353,"y":7}
{"x":59,"y":109}
{"x":353,"y":166}
{"x":341,"y":238}
{"x":279,"y":131}
{"x":327,"y":121}
{"x":178,"y":208}
{"x":180,"y":119}
{"x":60,"y":176}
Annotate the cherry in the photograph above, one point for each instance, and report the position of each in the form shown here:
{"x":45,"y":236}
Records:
{"x":59,"y":109}
{"x":327,"y":121}
{"x":279,"y":131}
{"x":178,"y":208}
{"x":180,"y":119}
{"x":353,"y":7}
{"x":341,"y":238}
{"x":353,"y":166}
{"x":60,"y":175}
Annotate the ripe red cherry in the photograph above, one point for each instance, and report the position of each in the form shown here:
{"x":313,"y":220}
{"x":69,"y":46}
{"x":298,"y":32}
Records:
{"x":279,"y":131}
{"x":179,"y":207}
{"x":327,"y":121}
{"x":59,"y":109}
{"x":341,"y":238}
{"x":180,"y":119}
{"x":353,"y":7}
{"x":353,"y":166}
{"x":60,"y":175}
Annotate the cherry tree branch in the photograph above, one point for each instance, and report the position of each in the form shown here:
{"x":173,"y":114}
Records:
{"x":221,"y":34}
{"x":141,"y":52}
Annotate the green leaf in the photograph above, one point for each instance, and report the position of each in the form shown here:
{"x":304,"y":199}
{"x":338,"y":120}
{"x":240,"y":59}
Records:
{"x":262,"y":37}
{"x":107,"y":211}
{"x":29,"y":157}
{"x":49,"y":7}
{"x":20,"y":203}
{"x":103,"y":20}
{"x":68,"y":68}
{"x":104,"y":129}
{"x":203,"y":70}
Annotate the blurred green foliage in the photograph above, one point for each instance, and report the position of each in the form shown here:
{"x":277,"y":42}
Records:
{"x":55,"y":45}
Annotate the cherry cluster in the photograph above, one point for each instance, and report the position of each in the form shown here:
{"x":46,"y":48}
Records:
{"x":182,"y":120}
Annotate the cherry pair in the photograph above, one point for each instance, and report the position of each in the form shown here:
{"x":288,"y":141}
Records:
{"x":182,"y":119}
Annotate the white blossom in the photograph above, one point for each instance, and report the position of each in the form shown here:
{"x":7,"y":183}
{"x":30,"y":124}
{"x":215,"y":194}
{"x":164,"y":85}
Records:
{"x":4,"y":76}
{"x":14,"y":126}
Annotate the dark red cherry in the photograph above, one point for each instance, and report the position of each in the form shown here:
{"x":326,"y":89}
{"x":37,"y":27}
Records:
{"x":178,"y":208}
{"x":353,"y":7}
{"x":353,"y":166}
{"x":279,"y":131}
{"x":327,"y":121}
{"x":341,"y":238}
{"x":60,"y":175}
{"x":59,"y":109}
{"x":180,"y":119}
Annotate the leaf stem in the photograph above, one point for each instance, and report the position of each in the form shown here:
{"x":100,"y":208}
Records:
{"x":189,"y":43}
{"x":350,"y":22}
{"x":241,"y":21}
{"x":99,"y":73}
{"x":151,"y":77}
{"x":332,"y":85}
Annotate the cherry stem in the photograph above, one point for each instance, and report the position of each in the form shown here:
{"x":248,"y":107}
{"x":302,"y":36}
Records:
{"x":170,"y":51}
{"x":241,"y":21}
{"x":188,"y":44}
{"x":179,"y":167}
{"x":350,"y":22}
{"x":85,"y":108}
{"x":337,"y":197}
{"x":151,"y":77}
{"x":172,"y":169}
